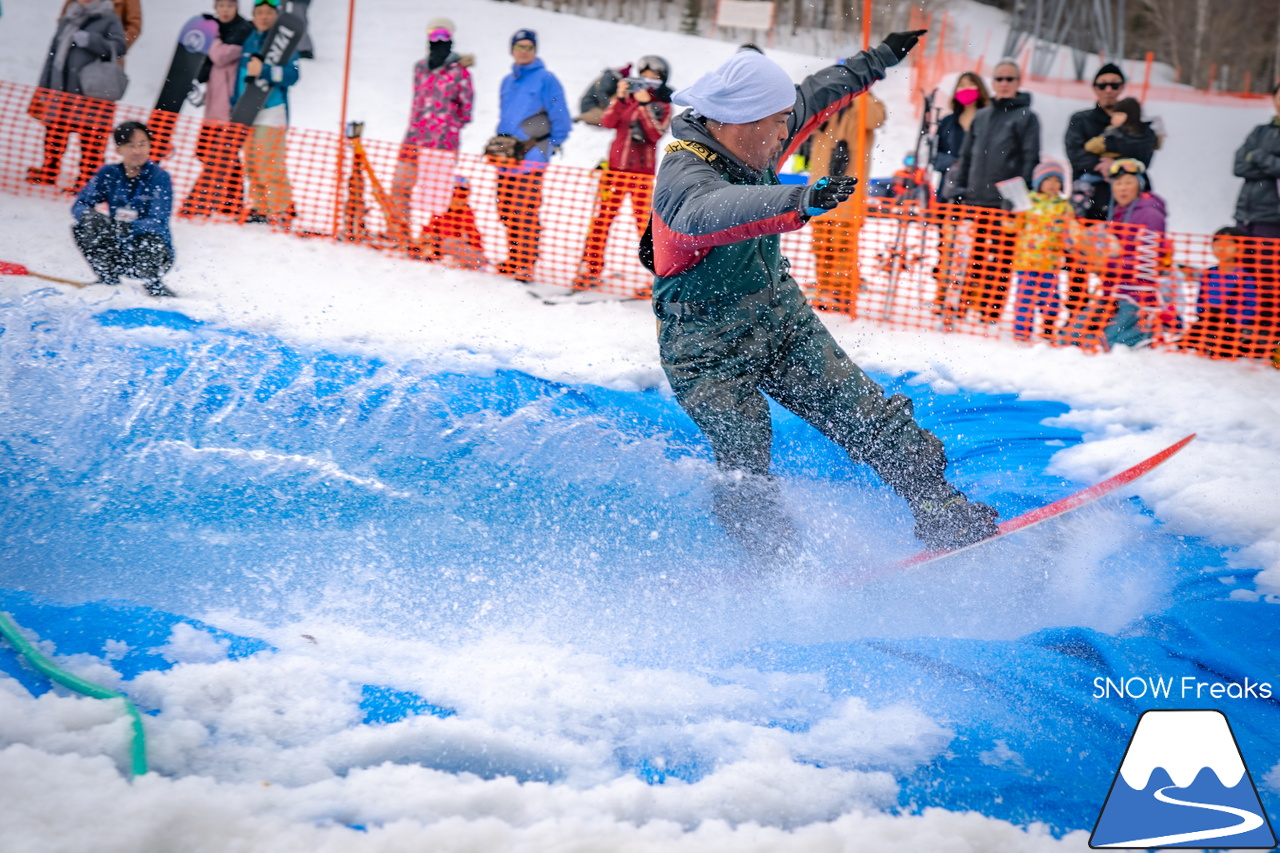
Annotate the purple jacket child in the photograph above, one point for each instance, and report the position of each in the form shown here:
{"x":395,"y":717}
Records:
{"x":1142,"y":254}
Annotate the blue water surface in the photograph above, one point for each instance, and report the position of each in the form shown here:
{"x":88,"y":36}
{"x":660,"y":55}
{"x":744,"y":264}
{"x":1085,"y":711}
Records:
{"x":159,"y":469}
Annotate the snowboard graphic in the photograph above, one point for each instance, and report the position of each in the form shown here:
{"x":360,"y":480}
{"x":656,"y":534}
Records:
{"x":281,"y":43}
{"x":193,"y":45}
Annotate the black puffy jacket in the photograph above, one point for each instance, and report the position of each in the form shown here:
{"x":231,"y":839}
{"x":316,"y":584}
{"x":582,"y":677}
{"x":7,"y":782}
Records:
{"x":1003,"y":142}
{"x":1258,"y":162}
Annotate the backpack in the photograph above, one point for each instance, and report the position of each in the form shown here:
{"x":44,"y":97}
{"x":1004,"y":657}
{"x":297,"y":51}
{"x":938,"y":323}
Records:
{"x":595,"y":100}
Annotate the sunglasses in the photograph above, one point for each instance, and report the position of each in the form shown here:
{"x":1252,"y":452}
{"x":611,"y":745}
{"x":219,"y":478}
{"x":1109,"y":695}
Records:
{"x":524,"y":47}
{"x":1108,"y":85}
{"x":440,"y":35}
{"x":1005,"y":79}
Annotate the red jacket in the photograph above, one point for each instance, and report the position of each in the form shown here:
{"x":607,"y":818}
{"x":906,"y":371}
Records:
{"x":626,"y":154}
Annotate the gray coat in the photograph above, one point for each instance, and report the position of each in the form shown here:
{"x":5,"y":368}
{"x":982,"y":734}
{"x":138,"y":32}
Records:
{"x":1003,"y":142}
{"x":1258,"y":162}
{"x":105,"y":33}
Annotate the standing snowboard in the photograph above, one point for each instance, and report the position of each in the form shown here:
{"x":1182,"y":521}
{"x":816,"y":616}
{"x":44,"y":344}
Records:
{"x":193,"y":46}
{"x":281,"y":43}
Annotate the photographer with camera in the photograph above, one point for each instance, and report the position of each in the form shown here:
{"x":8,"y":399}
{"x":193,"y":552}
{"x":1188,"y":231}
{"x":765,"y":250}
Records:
{"x":640,"y":112}
{"x":132,"y":238}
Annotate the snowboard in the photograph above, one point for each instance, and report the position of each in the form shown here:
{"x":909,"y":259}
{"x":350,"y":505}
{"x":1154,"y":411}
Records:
{"x":1032,"y":518}
{"x":193,"y":46}
{"x":281,"y":43}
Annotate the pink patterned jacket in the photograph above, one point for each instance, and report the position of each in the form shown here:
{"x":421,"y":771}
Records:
{"x":441,"y":103}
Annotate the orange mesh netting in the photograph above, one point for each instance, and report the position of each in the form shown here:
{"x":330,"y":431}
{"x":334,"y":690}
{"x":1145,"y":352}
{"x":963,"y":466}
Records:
{"x":941,"y":268}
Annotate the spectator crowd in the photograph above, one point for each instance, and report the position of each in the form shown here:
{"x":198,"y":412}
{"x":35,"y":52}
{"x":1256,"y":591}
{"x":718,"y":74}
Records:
{"x":1039,"y":267}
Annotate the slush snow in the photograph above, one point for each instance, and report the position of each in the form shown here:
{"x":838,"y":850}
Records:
{"x":269,"y":752}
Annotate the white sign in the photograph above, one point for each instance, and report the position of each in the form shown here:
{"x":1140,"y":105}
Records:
{"x":752,"y":14}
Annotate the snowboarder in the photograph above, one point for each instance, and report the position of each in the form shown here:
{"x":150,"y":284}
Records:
{"x":219,"y":188}
{"x":270,"y":193}
{"x":132,"y":238}
{"x":733,"y":324}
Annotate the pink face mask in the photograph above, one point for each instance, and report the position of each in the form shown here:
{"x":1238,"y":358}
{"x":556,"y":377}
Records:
{"x":965,"y":97}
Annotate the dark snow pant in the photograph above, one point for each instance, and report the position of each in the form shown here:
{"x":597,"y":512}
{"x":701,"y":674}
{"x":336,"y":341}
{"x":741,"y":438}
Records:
{"x":519,"y":205}
{"x":144,"y":256}
{"x":721,"y":358}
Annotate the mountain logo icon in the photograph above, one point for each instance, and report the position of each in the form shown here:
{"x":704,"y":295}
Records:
{"x":1182,"y":783}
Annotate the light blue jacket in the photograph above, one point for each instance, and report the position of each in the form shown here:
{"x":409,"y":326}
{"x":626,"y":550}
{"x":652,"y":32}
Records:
{"x":529,"y":90}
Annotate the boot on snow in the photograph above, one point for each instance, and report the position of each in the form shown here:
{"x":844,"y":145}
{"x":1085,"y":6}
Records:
{"x":950,"y":521}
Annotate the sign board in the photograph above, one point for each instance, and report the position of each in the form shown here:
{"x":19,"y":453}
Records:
{"x":752,"y":14}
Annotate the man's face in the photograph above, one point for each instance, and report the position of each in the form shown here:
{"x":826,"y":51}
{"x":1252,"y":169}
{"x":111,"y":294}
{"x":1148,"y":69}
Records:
{"x":136,"y":151}
{"x":1005,"y":81}
{"x":1108,"y":88}
{"x":264,"y":17}
{"x":524,"y":52}
{"x":760,"y":142}
{"x":225,"y":10}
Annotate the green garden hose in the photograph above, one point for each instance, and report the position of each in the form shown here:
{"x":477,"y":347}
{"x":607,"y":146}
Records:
{"x":138,"y":750}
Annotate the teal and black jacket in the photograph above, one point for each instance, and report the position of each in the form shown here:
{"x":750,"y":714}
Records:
{"x":716,"y":222}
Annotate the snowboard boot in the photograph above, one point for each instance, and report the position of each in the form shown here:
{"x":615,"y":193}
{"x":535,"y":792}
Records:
{"x":750,"y":509}
{"x":949,"y":520}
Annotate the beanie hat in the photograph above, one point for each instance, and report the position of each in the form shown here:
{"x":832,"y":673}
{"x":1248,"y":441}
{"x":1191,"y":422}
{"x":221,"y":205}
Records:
{"x":524,"y":35}
{"x":747,"y":87}
{"x":1109,"y":68}
{"x":1048,"y":169}
{"x":440,"y":23}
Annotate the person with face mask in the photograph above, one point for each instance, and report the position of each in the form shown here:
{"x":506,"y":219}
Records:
{"x":733,"y":324}
{"x":970,"y":95}
{"x":442,"y":100}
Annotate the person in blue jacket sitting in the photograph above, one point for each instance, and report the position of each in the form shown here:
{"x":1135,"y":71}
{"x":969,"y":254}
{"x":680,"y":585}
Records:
{"x":534,"y":117}
{"x":132,"y":238}
{"x":270,"y":193}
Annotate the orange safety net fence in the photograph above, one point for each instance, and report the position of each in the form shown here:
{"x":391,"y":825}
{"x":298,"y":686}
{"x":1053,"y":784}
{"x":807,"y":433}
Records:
{"x":943,"y":268}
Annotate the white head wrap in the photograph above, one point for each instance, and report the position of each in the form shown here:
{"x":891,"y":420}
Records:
{"x":747,"y":87}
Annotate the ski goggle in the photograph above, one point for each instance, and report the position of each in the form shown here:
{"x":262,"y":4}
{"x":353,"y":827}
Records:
{"x":1127,"y":166}
{"x":440,"y":35}
{"x":274,"y":4}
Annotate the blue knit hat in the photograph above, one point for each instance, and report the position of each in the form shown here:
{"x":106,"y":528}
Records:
{"x":524,"y":35}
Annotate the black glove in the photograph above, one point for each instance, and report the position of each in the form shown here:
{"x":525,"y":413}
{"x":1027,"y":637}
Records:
{"x":827,"y":193}
{"x":901,"y":43}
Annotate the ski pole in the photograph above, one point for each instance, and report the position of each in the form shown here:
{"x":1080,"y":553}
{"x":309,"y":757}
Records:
{"x":10,"y":268}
